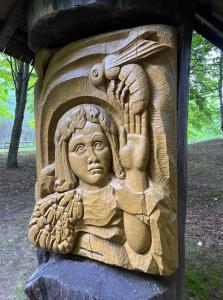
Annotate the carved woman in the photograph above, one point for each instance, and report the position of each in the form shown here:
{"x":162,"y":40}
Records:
{"x":100,"y":207}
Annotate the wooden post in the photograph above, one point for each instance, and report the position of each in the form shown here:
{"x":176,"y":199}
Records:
{"x":184,"y":49}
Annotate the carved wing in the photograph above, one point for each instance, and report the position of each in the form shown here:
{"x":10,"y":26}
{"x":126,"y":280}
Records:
{"x":134,"y":51}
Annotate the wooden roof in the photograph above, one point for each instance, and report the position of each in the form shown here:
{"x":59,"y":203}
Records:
{"x":13,"y":30}
{"x":29,"y":25}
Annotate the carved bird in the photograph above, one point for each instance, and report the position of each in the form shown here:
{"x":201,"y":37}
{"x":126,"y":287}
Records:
{"x":125,"y":75}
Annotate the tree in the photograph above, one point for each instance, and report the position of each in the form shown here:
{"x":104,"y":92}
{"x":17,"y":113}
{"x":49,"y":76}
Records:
{"x":204,"y":118}
{"x":20,"y":73}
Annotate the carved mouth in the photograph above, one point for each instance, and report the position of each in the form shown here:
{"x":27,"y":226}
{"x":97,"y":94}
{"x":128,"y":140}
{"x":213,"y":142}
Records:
{"x":96,"y":169}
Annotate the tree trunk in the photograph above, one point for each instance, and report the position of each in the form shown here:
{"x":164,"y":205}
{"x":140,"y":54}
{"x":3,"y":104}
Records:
{"x":220,"y":87}
{"x":22,"y":78}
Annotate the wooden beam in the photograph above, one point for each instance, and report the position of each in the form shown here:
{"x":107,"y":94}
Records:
{"x":15,"y":19}
{"x":209,"y":28}
{"x":18,"y":48}
{"x":12,"y":40}
{"x":54,"y":24}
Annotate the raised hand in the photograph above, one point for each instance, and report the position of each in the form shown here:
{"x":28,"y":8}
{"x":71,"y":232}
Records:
{"x":134,"y":148}
{"x":134,"y":142}
{"x":134,"y":154}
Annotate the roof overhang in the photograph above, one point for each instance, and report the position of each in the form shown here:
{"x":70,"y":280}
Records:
{"x":27,"y":25}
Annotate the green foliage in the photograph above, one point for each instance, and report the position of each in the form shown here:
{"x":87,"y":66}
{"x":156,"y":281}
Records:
{"x":30,"y":95}
{"x":30,"y":98}
{"x":5,"y":111}
{"x":204,"y":119}
{"x":7,"y":89}
{"x":6,"y":84}
{"x":31,"y":123}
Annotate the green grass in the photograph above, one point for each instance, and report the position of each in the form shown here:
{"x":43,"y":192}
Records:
{"x":202,"y":282}
{"x":19,"y":289}
{"x":217,"y":194}
{"x":21,"y":150}
{"x":192,"y":140}
{"x":204,"y":272}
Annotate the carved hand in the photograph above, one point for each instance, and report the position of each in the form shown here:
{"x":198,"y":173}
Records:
{"x":134,"y":142}
{"x":134,"y":149}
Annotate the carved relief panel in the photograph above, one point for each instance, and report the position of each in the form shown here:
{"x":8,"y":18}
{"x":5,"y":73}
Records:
{"x":106,"y":150}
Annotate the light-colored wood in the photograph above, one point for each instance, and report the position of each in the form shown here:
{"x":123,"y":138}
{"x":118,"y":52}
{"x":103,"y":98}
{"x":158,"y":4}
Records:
{"x":106,"y":150}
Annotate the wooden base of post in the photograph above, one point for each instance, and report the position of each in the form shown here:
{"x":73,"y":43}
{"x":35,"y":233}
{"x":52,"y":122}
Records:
{"x":76,"y":278}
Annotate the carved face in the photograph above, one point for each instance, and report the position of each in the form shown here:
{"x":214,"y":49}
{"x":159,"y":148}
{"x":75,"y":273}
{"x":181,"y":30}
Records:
{"x":90,"y":156}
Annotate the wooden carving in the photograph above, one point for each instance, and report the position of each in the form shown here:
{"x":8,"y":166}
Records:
{"x":106,"y":159}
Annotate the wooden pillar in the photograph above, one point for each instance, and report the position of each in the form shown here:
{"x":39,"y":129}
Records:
{"x":184,"y":50}
{"x":68,"y":81}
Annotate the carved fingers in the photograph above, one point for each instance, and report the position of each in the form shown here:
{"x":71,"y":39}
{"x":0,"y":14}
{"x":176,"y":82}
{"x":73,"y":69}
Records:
{"x":135,"y":123}
{"x":134,"y":142}
{"x":117,"y":91}
{"x":144,"y":124}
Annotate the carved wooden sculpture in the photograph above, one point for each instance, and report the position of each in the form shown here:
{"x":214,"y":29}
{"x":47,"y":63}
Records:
{"x":106,"y":159}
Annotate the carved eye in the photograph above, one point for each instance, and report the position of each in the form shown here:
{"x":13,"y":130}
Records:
{"x":98,"y":145}
{"x":79,"y":149}
{"x":96,"y":74}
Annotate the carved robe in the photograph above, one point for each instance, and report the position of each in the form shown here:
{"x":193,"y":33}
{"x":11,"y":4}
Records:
{"x":91,"y":224}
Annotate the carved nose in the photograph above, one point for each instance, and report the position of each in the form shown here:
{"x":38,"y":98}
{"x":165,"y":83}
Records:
{"x":92,"y":158}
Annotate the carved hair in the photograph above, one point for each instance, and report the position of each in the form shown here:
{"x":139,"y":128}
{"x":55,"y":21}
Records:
{"x":73,"y":119}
